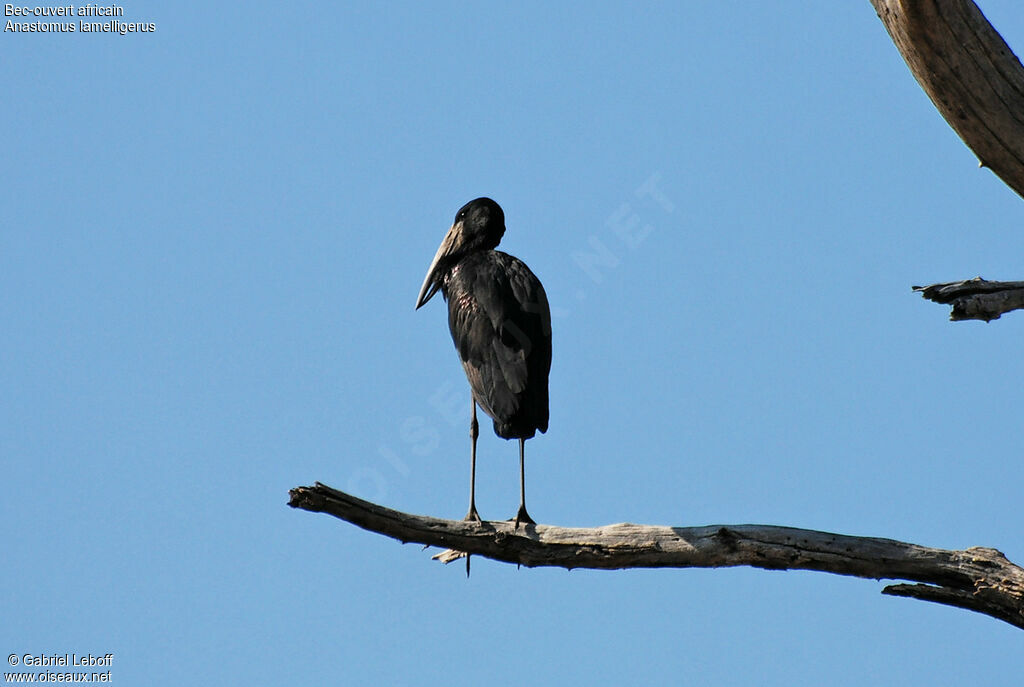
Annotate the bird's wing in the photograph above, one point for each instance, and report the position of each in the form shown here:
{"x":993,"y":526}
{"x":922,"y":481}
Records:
{"x":504,"y":334}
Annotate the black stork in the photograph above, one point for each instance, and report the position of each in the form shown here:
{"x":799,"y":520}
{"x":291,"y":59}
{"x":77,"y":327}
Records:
{"x":501,"y":325}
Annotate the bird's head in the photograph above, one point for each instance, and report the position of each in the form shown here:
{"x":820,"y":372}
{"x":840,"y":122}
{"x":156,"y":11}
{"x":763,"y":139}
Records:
{"x":479,"y":225}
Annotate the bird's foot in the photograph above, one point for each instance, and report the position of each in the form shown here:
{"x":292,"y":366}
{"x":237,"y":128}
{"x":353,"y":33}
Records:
{"x":523,"y":517}
{"x":472,"y":515}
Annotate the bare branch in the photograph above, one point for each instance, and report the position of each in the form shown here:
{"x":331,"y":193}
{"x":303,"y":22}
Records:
{"x":978,"y":579}
{"x":969,"y":72}
{"x":976,"y":299}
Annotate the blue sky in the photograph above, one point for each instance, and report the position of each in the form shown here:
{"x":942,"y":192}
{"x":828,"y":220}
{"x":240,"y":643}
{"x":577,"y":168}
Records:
{"x":212,"y":242}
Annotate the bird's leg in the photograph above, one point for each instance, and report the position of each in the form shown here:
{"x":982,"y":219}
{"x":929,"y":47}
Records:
{"x":474,"y":432}
{"x":522,"y":515}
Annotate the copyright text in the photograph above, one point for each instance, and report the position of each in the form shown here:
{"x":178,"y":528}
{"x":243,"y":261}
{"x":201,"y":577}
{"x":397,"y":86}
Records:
{"x":59,"y":667}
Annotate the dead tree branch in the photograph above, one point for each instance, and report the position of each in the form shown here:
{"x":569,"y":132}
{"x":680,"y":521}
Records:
{"x":977,"y":84}
{"x":976,"y":299}
{"x":970,"y":74}
{"x":978,"y":579}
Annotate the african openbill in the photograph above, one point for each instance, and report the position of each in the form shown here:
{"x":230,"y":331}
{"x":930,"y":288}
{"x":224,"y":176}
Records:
{"x":501,"y":325}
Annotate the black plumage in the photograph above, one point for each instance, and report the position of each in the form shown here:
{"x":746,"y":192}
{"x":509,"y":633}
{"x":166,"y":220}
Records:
{"x":500,"y":323}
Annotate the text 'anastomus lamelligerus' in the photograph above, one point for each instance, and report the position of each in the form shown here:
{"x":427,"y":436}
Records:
{"x":500,"y":322}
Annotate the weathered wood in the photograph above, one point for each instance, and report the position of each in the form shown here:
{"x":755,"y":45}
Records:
{"x":976,"y":299}
{"x":978,"y":579}
{"x":970,"y":74}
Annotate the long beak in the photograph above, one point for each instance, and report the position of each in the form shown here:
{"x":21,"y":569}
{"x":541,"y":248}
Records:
{"x":432,"y":282}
